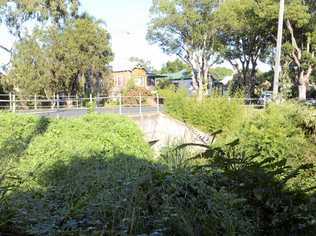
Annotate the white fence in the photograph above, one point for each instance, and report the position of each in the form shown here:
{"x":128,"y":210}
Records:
{"x":116,"y":104}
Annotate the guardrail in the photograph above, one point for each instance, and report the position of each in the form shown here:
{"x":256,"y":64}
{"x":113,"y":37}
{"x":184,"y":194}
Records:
{"x":115,"y":104}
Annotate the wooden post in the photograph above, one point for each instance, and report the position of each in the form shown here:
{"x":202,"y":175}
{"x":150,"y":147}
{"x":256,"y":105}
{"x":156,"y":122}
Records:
{"x":68,"y":102}
{"x":77,"y":100}
{"x":57,"y":101}
{"x":53,"y":102}
{"x":277,"y":66}
{"x":90,"y":98}
{"x":10,"y":104}
{"x":97,"y":100}
{"x":158,"y":103}
{"x":35,"y":102}
{"x":140,"y":104}
{"x":120,"y":104}
{"x":14,"y":104}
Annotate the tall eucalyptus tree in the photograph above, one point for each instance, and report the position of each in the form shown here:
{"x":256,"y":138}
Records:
{"x":187,"y":29}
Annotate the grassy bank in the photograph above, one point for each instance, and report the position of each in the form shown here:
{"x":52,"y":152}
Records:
{"x":96,"y":176}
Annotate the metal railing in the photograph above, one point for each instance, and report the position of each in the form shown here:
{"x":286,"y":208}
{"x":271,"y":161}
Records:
{"x":114,"y":104}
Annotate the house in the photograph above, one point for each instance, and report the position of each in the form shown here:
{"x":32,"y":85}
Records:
{"x":137,"y":75}
{"x":181,"y":79}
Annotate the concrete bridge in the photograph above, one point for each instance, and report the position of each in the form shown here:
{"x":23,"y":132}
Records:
{"x":163,"y":130}
{"x":159,"y":129}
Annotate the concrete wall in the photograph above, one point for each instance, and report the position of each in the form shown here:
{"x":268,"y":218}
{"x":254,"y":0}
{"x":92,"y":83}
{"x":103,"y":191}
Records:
{"x":166,"y":130}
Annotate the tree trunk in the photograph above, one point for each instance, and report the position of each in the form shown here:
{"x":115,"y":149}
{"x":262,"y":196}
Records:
{"x":302,"y":92}
{"x":207,"y":83}
{"x":302,"y":87}
{"x":200,"y":92}
{"x":252,"y":82}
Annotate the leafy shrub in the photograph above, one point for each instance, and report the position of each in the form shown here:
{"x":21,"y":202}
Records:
{"x":95,"y":175}
{"x":16,"y":133}
{"x":273,"y":207}
{"x":211,"y":114}
{"x":63,"y":142}
{"x":91,"y":107}
{"x":273,"y":133}
{"x":132,"y":97}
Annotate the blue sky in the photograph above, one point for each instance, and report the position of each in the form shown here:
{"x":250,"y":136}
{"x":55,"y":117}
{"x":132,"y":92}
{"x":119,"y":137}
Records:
{"x":127,"y":22}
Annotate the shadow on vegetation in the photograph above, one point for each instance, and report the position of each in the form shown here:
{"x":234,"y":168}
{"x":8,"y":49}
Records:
{"x":122,"y":195}
{"x":15,"y":145}
{"x":274,"y":201}
{"x":125,"y":195}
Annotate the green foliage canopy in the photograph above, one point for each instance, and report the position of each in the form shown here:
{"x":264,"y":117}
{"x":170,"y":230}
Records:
{"x":15,"y":13}
{"x":187,"y":29}
{"x":174,"y":66}
{"x":220,"y":73}
{"x":53,"y":60}
{"x":247,"y":37}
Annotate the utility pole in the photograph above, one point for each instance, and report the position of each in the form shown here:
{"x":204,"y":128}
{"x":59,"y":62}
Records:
{"x":278,"y":52}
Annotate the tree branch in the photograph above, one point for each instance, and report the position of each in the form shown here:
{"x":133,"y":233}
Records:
{"x":297,"y":53}
{"x":6,"y":49}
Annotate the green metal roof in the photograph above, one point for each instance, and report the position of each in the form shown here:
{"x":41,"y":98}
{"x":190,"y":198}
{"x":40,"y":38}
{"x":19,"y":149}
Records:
{"x":181,"y":75}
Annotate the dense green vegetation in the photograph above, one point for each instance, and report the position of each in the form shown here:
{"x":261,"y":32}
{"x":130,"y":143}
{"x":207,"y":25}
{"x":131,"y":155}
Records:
{"x":276,"y":145}
{"x":95,"y":175}
{"x":203,"y":33}
{"x":210,"y":115}
{"x":287,"y":129}
{"x":56,"y":172}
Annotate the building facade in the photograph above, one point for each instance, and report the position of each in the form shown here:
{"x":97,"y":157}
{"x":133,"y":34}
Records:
{"x":137,"y":76}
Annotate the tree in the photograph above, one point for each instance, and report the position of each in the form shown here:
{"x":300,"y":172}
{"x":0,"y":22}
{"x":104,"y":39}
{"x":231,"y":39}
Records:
{"x":247,"y":36}
{"x":73,"y":60}
{"x":15,"y":14}
{"x":186,"y":28}
{"x":300,"y":46}
{"x":220,"y":72}
{"x":146,"y":64}
{"x":174,"y":66}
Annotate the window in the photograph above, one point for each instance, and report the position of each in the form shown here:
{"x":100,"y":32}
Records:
{"x":119,"y":82}
{"x":140,"y":81}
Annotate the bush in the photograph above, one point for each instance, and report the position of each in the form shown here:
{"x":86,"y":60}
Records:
{"x":132,"y":97}
{"x":16,"y":133}
{"x":274,"y":133}
{"x":94,"y":175}
{"x":210,"y":115}
{"x":274,"y":208}
{"x":67,"y":162}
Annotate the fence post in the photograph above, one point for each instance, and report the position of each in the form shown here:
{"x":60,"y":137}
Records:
{"x":97,"y":100}
{"x":120,"y":104}
{"x":57,"y":101}
{"x":10,"y":103}
{"x":158,"y":103}
{"x":140,"y":104}
{"x":14,"y":104}
{"x":35,"y":102}
{"x":69,"y":103}
{"x":264,"y":103}
{"x":77,"y":101}
{"x":90,"y":98}
{"x":53,"y":102}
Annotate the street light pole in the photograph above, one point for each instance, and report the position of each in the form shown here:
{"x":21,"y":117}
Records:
{"x":278,"y":52}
